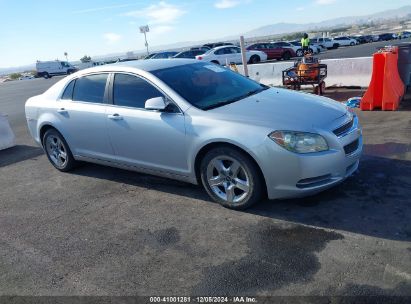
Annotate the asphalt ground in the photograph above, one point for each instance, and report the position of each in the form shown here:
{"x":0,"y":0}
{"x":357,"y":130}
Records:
{"x":361,"y":50}
{"x":108,"y":232}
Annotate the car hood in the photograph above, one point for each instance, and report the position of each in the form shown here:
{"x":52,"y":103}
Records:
{"x":282,"y":109}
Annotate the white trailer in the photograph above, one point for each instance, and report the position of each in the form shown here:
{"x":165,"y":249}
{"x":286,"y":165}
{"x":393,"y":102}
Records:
{"x":6,"y":134}
{"x":47,"y":69}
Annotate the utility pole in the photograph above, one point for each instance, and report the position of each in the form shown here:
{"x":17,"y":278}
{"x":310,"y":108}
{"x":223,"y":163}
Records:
{"x":244,"y":55}
{"x":144,"y":30}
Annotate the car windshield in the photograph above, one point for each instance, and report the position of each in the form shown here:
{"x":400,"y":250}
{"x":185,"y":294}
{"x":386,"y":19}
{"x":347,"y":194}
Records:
{"x":207,"y":86}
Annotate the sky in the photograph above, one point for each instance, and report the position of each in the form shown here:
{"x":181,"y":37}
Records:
{"x":33,"y":30}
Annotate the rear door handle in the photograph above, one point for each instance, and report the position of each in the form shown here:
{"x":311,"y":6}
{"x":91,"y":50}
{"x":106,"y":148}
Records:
{"x":62,"y":111}
{"x":115,"y":117}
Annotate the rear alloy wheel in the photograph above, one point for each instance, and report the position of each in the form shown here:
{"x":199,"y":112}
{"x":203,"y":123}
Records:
{"x":231,"y":178}
{"x":299,"y":53}
{"x":255,"y":59}
{"x":352,"y":43}
{"x":57,"y":151}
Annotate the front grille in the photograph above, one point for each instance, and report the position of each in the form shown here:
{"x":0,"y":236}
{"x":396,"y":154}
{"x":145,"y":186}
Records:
{"x":352,"y":147}
{"x":344,"y":129}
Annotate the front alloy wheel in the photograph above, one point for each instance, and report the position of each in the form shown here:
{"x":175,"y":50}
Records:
{"x":231,"y":178}
{"x":57,"y":151}
{"x":227,"y":179}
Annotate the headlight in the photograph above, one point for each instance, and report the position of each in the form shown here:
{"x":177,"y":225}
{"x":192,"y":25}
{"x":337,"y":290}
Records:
{"x":299,"y":142}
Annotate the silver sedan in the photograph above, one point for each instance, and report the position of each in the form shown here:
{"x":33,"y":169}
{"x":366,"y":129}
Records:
{"x":199,"y":123}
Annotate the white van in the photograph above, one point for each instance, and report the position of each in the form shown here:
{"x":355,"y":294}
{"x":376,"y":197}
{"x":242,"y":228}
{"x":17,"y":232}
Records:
{"x":47,"y":69}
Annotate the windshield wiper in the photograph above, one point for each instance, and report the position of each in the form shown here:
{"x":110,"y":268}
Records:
{"x":226,"y":102}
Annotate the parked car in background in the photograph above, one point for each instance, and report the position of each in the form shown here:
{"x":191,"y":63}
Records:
{"x":298,"y":48}
{"x":273,"y":51}
{"x":359,"y":38}
{"x":198,"y":123}
{"x":345,"y":41}
{"x":326,"y":43}
{"x":405,"y":35}
{"x":386,"y":37}
{"x":26,"y":77}
{"x":47,"y":69}
{"x":201,"y":48}
{"x":216,"y":44}
{"x":190,"y":54}
{"x":368,"y":38}
{"x":231,"y":54}
{"x":164,"y":55}
{"x":375,"y":38}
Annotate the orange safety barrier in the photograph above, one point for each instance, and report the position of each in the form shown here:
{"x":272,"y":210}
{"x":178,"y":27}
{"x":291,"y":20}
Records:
{"x":386,"y":87}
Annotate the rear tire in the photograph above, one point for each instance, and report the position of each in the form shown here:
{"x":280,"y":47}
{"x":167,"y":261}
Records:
{"x":46,"y":75}
{"x":352,"y":43}
{"x":58,"y":151}
{"x":254,"y":59}
{"x":299,"y":53}
{"x":231,"y":178}
{"x":336,"y":46}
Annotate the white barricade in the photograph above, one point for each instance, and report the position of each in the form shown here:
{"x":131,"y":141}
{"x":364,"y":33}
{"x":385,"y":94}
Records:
{"x":341,"y":72}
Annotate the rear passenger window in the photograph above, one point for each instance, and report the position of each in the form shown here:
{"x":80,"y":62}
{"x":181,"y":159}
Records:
{"x":90,"y":88}
{"x":132,"y":91}
{"x":68,"y":92}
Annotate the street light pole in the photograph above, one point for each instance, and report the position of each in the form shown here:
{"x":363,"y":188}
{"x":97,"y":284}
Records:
{"x":144,"y":30}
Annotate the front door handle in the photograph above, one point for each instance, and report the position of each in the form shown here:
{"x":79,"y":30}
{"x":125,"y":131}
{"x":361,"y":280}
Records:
{"x":62,"y":111}
{"x":115,"y":117}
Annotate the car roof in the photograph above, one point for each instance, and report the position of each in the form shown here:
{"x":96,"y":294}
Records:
{"x":223,"y":47}
{"x":144,"y":65}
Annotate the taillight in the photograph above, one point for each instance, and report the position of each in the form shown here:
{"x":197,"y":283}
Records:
{"x":200,"y":58}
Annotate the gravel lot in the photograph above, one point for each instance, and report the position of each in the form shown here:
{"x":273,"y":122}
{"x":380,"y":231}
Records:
{"x":104,"y":231}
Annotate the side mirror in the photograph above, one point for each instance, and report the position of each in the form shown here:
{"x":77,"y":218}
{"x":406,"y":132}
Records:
{"x":156,"y":104}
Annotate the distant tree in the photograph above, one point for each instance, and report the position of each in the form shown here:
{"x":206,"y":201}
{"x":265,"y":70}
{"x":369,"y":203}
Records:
{"x":15,"y":76}
{"x":294,"y":36}
{"x":85,"y":58}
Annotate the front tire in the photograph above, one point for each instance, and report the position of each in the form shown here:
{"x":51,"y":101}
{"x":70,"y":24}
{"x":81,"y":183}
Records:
{"x":231,"y":178}
{"x":299,"y":53}
{"x":286,"y":56}
{"x":58,"y":151}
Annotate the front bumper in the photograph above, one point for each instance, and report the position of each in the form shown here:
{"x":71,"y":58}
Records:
{"x":290,"y":175}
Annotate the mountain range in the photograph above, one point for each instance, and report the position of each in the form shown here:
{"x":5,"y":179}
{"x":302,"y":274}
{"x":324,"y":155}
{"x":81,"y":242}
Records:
{"x":284,"y":28}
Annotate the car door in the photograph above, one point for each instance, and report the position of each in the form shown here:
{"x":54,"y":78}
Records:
{"x":235,"y":55}
{"x":143,"y":138}
{"x":82,"y":114}
{"x":221,"y":55}
{"x":266,"y":48}
{"x":277,"y":50}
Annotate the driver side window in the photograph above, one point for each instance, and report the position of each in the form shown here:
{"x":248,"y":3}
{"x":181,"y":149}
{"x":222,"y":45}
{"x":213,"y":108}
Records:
{"x":132,"y":91}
